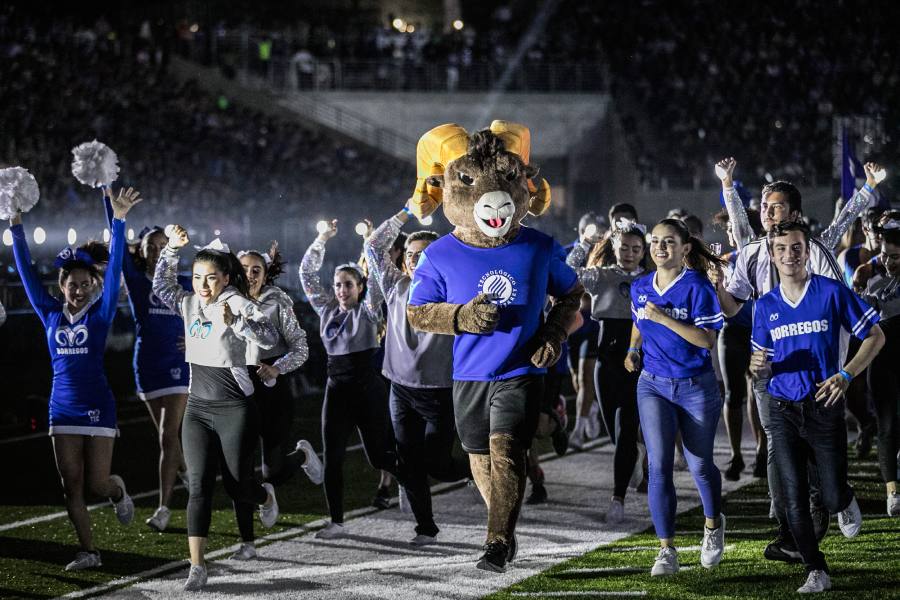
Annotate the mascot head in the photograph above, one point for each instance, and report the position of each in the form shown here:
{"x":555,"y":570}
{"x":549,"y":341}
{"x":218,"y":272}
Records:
{"x":483,"y":181}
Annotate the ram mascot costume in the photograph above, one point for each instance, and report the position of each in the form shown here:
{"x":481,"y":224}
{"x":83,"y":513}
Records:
{"x":487,"y":283}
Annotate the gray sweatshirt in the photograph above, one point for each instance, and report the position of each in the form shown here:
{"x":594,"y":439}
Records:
{"x":609,"y":287}
{"x":342,"y":331}
{"x":411,"y":358}
{"x":291,"y":346}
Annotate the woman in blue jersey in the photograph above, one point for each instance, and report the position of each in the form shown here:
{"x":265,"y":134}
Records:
{"x":224,"y":332}
{"x":276,"y":403}
{"x":160,"y":372}
{"x":676,"y":315}
{"x":82,"y":407}
{"x":614,"y":264}
{"x":350,"y":314}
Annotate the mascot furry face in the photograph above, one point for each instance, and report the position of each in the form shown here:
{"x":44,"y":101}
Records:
{"x":483,"y":181}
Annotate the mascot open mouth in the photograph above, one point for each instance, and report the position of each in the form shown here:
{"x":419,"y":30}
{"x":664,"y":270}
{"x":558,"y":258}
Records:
{"x":494,"y":213}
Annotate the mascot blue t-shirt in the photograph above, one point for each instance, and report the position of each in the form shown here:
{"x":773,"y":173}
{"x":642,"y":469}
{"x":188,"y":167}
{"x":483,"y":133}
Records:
{"x":518,"y":276}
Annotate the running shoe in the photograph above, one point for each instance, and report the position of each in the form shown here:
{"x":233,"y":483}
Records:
{"x":268,"y":514}
{"x":494,"y":558}
{"x":538,"y":494}
{"x":332,"y":531}
{"x":893,"y":505}
{"x":666,"y":562}
{"x":735,"y":467}
{"x":160,"y":519}
{"x":85,"y":560}
{"x":196,"y":579}
{"x":713,"y":545}
{"x":616,"y":512}
{"x":247,"y":551}
{"x":578,"y":436}
{"x":423,"y":540}
{"x":312,"y":466}
{"x":850,"y":519}
{"x":382,"y":498}
{"x":817,"y":581}
{"x":782,"y":550}
{"x":124,"y":507}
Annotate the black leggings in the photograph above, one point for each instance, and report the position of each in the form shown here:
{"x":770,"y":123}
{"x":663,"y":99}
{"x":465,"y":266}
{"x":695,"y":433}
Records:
{"x":734,"y":357}
{"x":617,"y":392}
{"x":884,"y":382}
{"x":218,"y":432}
{"x":354,"y":399}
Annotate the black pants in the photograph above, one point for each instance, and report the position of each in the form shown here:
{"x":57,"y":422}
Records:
{"x":425,"y":431}
{"x":802,"y":433}
{"x":218,"y":432}
{"x":358,"y":401}
{"x":884,"y":382}
{"x":617,"y":392}
{"x":734,"y":357}
{"x":858,"y":397}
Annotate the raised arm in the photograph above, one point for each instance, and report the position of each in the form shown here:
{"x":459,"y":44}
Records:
{"x":374,"y":299}
{"x":737,"y":214}
{"x":128,"y":266}
{"x":42,"y":301}
{"x":165,"y":278}
{"x":377,"y":248}
{"x":319,"y":296}
{"x":121,"y":205}
{"x":852,"y":209}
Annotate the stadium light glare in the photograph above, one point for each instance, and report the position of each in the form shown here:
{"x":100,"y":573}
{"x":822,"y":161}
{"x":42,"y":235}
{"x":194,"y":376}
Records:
{"x":7,"y":238}
{"x":322,"y":226}
{"x":106,"y":235}
{"x":217,"y":232}
{"x":458,"y":25}
{"x":410,"y":28}
{"x":361,"y":228}
{"x":40,"y":236}
{"x":71,"y":236}
{"x":399,"y":24}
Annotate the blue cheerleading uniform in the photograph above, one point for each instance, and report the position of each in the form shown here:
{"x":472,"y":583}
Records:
{"x":159,"y":365}
{"x":81,"y":402}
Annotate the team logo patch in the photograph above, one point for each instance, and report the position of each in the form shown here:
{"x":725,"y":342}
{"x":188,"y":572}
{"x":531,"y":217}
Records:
{"x":94,"y":415}
{"x":642,"y":298}
{"x":500,"y":286}
{"x":773,"y":317}
{"x":71,"y":340}
{"x":175,"y":373}
{"x":200,"y":330}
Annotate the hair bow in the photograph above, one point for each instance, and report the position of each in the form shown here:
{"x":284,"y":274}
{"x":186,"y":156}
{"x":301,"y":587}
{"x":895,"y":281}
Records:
{"x":351,"y":265}
{"x":67,"y":256}
{"x":623,"y":224}
{"x":888,"y":225}
{"x":149,"y":229}
{"x":265,"y":255}
{"x":217,"y":245}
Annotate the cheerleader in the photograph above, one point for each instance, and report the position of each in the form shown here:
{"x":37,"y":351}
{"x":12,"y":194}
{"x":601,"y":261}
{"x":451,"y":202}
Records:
{"x":276,"y":403}
{"x":221,"y":422}
{"x":82,"y":408}
{"x":354,"y":394}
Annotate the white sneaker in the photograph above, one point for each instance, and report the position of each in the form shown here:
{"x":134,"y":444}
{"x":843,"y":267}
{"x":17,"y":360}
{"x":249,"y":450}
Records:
{"x":313,"y":466}
{"x":268,"y":515}
{"x":817,"y":581}
{"x":713,"y":545}
{"x":85,"y":560}
{"x":160,"y":519}
{"x":850,"y":519}
{"x":616,"y":512}
{"x":405,"y":507}
{"x":332,"y":531}
{"x":893,"y":505}
{"x":423,"y":540}
{"x":593,"y":421}
{"x":196,"y":579}
{"x":125,"y":506}
{"x":637,"y":474}
{"x":666,"y":562}
{"x":247,"y":551}
{"x":578,"y":437}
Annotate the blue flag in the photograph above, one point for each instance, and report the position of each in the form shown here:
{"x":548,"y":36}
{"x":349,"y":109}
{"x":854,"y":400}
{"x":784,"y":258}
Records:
{"x":851,"y":168}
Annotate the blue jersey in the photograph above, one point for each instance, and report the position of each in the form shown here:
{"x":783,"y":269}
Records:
{"x":159,"y":366}
{"x":802,"y":339}
{"x":518,"y":276}
{"x":81,"y":401}
{"x":690,"y":299}
{"x":851,"y":261}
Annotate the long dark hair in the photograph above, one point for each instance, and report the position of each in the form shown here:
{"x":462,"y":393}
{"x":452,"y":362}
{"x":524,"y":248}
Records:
{"x":361,"y":280}
{"x":229,"y":264}
{"x":700,"y":258}
{"x":274,"y":267}
{"x":137,"y":258}
{"x":604,"y":255}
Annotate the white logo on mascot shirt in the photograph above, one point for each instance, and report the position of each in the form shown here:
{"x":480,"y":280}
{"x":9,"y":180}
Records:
{"x":71,"y":340}
{"x":500,"y":286}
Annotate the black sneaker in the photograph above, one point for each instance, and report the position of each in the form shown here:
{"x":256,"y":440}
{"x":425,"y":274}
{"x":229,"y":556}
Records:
{"x":513,"y":549}
{"x":821,"y":519}
{"x":735,"y":467}
{"x":494,"y":558}
{"x":782,"y":550}
{"x":538,"y":494}
{"x":382,"y":498}
{"x":560,"y":436}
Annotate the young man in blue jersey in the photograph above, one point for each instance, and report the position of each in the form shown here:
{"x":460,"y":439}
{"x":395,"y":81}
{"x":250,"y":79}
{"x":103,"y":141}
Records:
{"x":797,"y":332}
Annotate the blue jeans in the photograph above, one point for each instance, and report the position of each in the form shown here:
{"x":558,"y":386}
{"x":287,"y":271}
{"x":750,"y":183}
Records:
{"x":693,"y":405}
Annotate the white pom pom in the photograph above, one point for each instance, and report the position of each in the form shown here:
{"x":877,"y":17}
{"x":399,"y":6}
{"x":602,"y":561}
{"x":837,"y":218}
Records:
{"x":721,"y":173}
{"x":879,"y":175}
{"x":95,"y":164}
{"x":169,"y":230}
{"x":18,"y":191}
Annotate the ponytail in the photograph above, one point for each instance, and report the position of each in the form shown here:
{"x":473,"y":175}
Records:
{"x":229,"y":264}
{"x":700,"y":258}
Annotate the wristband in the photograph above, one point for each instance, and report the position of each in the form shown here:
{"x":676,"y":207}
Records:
{"x":845,"y":375}
{"x":407,"y":211}
{"x":868,"y":188}
{"x":633,"y":349}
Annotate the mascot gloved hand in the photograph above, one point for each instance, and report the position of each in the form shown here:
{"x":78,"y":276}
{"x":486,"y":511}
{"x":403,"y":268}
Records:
{"x":478,"y":315}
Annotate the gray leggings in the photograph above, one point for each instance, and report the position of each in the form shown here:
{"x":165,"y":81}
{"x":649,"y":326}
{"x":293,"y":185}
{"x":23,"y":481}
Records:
{"x":218,"y":432}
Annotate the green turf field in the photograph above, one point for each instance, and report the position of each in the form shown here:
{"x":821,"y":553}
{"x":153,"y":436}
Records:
{"x":867,"y":566}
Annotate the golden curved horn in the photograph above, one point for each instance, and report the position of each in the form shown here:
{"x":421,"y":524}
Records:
{"x":436,"y":148}
{"x":516,"y":138}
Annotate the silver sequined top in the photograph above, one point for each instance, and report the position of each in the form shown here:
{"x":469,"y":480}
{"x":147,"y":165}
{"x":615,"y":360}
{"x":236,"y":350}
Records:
{"x":291,"y":346}
{"x":609,"y":287}
{"x":342,"y":331}
{"x":411,"y":358}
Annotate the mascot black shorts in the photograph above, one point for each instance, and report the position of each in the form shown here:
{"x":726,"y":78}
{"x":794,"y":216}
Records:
{"x":506,"y":406}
